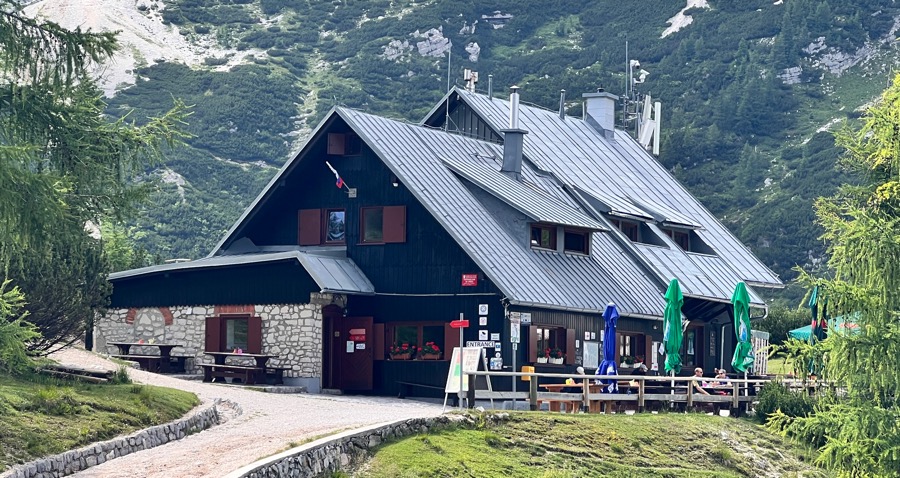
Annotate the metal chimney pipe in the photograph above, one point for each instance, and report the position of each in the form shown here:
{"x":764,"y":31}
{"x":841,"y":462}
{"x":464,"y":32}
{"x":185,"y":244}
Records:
{"x":562,"y":104}
{"x":514,"y":107}
{"x":491,"y":86}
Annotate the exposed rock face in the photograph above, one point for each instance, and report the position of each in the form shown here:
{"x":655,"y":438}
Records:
{"x":434,"y":43}
{"x":791,"y":76}
{"x":474,"y":50}
{"x":396,"y":49}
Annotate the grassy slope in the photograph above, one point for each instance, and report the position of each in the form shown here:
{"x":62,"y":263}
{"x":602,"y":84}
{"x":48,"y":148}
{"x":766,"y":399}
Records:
{"x":42,"y":416}
{"x":554,"y":445}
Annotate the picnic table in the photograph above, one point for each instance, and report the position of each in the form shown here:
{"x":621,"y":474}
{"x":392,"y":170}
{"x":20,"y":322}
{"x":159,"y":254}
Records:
{"x":165,"y":362}
{"x":249,"y":374}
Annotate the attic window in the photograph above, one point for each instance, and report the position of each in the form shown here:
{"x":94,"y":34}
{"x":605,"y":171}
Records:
{"x":682,"y":238}
{"x":577,"y":241}
{"x":543,"y":237}
{"x":630,"y":229}
{"x":344,"y":144}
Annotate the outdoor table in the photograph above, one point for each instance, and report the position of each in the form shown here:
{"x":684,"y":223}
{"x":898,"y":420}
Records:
{"x":261,"y":359}
{"x":559,"y":387}
{"x":165,"y":352}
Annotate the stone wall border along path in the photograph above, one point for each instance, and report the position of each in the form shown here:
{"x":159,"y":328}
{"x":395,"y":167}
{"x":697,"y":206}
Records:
{"x":343,"y":450}
{"x":73,"y":461}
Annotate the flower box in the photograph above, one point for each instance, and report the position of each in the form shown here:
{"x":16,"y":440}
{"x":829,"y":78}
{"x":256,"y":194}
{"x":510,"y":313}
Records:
{"x":400,"y":356}
{"x":557,"y":361}
{"x":542,"y":360}
{"x":430,"y":356}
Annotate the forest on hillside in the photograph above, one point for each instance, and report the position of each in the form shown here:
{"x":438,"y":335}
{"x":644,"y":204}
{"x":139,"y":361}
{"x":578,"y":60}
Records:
{"x":746,"y":141}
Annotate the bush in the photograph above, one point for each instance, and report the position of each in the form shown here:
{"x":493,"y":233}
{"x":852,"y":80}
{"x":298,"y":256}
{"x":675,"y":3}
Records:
{"x":776,"y":396}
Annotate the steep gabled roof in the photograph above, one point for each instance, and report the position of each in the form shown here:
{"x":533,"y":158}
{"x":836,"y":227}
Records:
{"x":617,"y":172}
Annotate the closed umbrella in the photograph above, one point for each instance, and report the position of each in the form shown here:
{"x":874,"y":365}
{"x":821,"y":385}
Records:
{"x":672,"y":333}
{"x":817,"y":326}
{"x":608,"y":365}
{"x":743,"y":352}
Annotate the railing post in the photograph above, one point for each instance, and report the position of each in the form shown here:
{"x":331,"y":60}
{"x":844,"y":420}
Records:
{"x":470,"y":394}
{"x":690,"y":394}
{"x":641,"y":383}
{"x":585,"y":402}
{"x":735,"y":403}
{"x":532,"y":393}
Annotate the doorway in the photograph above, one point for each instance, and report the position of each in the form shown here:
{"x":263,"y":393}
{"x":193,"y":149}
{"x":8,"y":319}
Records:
{"x":349,"y":353}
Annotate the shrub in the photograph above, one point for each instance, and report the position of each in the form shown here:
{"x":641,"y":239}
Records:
{"x":776,"y":396}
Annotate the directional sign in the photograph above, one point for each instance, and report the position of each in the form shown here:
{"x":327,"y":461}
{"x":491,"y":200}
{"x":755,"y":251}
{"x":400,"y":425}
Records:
{"x":459,"y":324}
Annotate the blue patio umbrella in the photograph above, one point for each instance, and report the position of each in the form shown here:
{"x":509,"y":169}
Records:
{"x":608,"y":365}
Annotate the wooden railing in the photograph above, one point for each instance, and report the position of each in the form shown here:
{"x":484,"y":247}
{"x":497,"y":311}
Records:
{"x":640,"y":390}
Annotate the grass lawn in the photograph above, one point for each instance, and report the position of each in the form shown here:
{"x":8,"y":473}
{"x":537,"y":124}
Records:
{"x":42,"y":416}
{"x":541,"y":444}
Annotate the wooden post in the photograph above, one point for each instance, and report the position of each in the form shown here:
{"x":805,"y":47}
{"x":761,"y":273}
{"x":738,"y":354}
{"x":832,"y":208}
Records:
{"x":470,"y":394}
{"x":734,"y":396}
{"x":532,"y":393}
{"x":641,"y":383}
{"x":585,"y":389}
{"x":690,"y":394}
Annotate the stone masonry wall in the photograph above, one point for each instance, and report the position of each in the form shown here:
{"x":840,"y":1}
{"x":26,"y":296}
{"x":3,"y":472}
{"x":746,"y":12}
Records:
{"x":74,"y":461}
{"x":291,"y":331}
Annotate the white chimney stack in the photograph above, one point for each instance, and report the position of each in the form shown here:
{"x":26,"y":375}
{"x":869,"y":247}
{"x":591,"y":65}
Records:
{"x":513,"y":139}
{"x":600,"y":111}
{"x":514,"y":107}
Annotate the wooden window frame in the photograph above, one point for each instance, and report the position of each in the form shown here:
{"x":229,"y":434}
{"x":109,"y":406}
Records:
{"x":216,"y":329}
{"x":344,"y":144}
{"x":587,"y":241}
{"x":682,"y":238}
{"x":627,"y":226}
{"x":562,"y":335}
{"x":543,"y":227}
{"x":393,"y":225}
{"x":451,"y":336}
{"x":324,"y":225}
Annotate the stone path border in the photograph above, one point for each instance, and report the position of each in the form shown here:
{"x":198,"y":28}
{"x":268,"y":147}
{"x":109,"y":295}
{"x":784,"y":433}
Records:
{"x":73,"y":461}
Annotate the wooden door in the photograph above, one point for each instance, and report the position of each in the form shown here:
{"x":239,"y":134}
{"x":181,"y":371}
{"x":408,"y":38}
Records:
{"x":331,"y":341}
{"x":357,"y":353}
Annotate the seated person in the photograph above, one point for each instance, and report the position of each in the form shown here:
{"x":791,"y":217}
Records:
{"x":720,"y":374}
{"x":698,"y":385}
{"x":640,"y":368}
{"x":576,"y":385}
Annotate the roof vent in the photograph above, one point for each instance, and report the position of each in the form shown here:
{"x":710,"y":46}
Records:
{"x":513,"y":139}
{"x":562,"y":104}
{"x":600,"y":111}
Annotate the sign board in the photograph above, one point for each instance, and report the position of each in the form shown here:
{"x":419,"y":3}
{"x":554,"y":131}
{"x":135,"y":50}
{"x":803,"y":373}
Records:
{"x":459,"y":324}
{"x":483,"y":334}
{"x":482,"y":309}
{"x":469,"y":280}
{"x":470,"y":356}
{"x":526,"y":318}
{"x":480,"y":343}
{"x":515,"y":330}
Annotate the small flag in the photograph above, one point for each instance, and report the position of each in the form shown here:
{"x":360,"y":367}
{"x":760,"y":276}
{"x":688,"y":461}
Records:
{"x":340,"y":181}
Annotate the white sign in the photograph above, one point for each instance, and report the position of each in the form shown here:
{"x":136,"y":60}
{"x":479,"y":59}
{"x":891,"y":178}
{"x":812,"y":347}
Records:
{"x":482,"y":309}
{"x":514,"y":330}
{"x":482,"y":334}
{"x":587,"y":335}
{"x":361,"y":346}
{"x":349,"y":346}
{"x":469,"y":364}
{"x":482,"y":321}
{"x":526,"y":318}
{"x":514,"y":316}
{"x":480,"y":343}
{"x":591,"y":355}
{"x":497,"y":347}
{"x":495,"y":337}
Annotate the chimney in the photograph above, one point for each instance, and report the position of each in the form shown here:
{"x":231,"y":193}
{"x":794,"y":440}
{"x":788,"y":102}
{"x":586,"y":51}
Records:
{"x":600,"y":111}
{"x":562,"y":104}
{"x":513,"y":139}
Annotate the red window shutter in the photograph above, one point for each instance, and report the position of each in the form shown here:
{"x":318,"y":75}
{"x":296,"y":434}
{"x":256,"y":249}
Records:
{"x":532,"y":344}
{"x":451,"y":340}
{"x":378,"y":341}
{"x":394,"y":224}
{"x":214,"y":334}
{"x":570,"y":347}
{"x":336,"y":142}
{"x":254,"y":335}
{"x":309,"y":227}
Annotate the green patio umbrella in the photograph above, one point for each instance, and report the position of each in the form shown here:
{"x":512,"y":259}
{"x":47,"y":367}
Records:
{"x":817,"y":326}
{"x":743,"y":351}
{"x":672,"y":333}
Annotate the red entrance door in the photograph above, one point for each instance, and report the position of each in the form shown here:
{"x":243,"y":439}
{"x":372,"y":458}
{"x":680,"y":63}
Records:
{"x":351,"y":354}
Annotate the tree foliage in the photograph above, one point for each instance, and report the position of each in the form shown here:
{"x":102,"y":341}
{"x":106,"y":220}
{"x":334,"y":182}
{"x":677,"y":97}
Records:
{"x":860,"y":436}
{"x":15,"y":332}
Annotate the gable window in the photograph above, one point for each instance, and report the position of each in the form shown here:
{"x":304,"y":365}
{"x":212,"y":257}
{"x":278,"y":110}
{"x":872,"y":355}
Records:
{"x":682,"y":238}
{"x":630,"y":229}
{"x":344,"y":144}
{"x":335,"y":226}
{"x":382,"y":225}
{"x":543,"y":237}
{"x":576,"y":241}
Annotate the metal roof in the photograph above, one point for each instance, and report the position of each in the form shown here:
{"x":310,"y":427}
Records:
{"x":527,"y":276}
{"x":619,"y":168}
{"x":527,"y":200}
{"x":330,"y":272}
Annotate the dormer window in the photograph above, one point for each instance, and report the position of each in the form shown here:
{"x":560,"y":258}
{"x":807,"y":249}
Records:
{"x":543,"y":236}
{"x":577,"y":241}
{"x":629,"y":228}
{"x":682,"y":238}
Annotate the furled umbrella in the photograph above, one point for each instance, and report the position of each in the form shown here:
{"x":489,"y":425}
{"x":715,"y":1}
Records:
{"x":743,"y":351}
{"x":672,"y":333}
{"x":817,"y":326}
{"x":608,"y":365}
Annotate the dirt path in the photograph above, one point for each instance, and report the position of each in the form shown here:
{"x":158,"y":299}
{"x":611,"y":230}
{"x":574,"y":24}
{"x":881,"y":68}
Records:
{"x":269,"y":423}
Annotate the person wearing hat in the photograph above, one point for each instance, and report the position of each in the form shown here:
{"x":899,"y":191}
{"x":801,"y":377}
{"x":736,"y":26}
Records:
{"x":577,"y":386}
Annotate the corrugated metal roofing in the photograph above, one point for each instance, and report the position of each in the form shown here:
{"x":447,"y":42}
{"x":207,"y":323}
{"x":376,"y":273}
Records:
{"x":331,"y":273}
{"x":536,"y":205}
{"x":579,"y":156}
{"x":525,"y":275}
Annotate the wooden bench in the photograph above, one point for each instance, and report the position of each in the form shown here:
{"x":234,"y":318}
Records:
{"x":557,"y":404}
{"x":177,"y":363}
{"x":149,"y":363}
{"x":275,"y":375}
{"x":246,"y":374}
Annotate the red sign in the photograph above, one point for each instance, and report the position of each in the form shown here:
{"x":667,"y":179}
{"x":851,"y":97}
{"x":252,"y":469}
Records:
{"x":459,"y":324}
{"x":358,"y":338}
{"x":469,"y":280}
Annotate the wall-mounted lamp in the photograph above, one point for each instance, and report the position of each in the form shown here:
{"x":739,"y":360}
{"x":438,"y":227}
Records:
{"x":394,"y":181}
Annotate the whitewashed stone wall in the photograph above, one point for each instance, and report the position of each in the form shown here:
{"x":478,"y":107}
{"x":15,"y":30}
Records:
{"x":291,"y":331}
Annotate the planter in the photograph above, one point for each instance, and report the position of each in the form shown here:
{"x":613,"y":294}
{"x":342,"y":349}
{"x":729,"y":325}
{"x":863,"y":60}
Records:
{"x":542,"y":360}
{"x":557,"y":361}
{"x":430,"y":357}
{"x":400,"y":356}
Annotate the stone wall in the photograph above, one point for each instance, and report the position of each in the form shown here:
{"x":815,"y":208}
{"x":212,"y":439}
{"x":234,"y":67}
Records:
{"x":74,"y":461}
{"x":345,"y":450}
{"x":291,"y":331}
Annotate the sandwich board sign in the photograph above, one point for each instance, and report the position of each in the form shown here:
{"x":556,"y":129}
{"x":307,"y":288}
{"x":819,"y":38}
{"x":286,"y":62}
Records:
{"x":470,"y":358}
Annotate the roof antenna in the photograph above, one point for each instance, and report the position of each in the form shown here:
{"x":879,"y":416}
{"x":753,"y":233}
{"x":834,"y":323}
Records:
{"x":447,"y":103}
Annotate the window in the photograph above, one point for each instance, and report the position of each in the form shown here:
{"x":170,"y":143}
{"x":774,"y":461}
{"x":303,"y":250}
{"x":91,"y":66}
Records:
{"x":630,"y":229}
{"x":373,"y":224}
{"x":543,"y":237}
{"x":682,"y":238}
{"x":543,"y":337}
{"x":344,"y":144}
{"x":576,"y":241}
{"x":382,"y":225}
{"x":335,"y":230}
{"x":236,"y":334}
{"x":419,"y":334}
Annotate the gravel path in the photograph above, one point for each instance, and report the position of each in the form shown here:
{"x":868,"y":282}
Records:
{"x":270,"y":423}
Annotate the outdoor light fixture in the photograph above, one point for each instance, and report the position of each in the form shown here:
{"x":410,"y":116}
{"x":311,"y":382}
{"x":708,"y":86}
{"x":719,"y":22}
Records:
{"x":394,"y":181}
